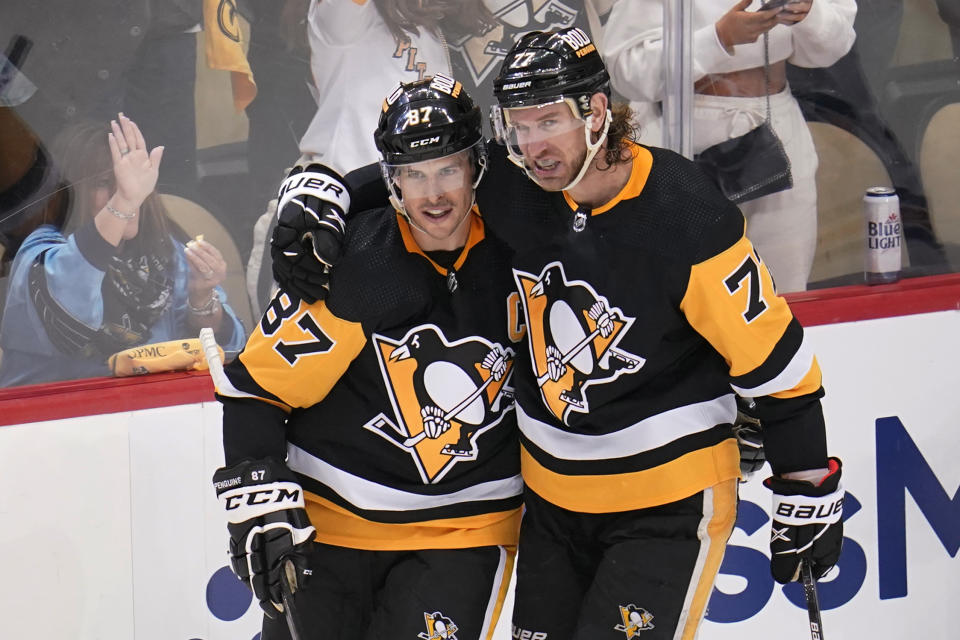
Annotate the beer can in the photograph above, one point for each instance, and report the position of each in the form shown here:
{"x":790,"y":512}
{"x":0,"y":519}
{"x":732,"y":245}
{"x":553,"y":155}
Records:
{"x":881,"y":210}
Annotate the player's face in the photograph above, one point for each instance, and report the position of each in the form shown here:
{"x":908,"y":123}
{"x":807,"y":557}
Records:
{"x":550,"y":139}
{"x":437,"y":195}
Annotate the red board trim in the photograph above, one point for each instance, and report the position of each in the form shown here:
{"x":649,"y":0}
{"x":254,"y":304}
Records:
{"x":94,"y":396}
{"x":862,"y":302}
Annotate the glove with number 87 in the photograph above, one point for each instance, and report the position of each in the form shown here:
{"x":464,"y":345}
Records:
{"x":267,"y":523}
{"x":807,"y":523}
{"x":311,"y":220}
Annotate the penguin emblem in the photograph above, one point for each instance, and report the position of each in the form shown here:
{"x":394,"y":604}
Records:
{"x":444,"y":395}
{"x":439,"y":627}
{"x":573,"y":335}
{"x":635,"y":620}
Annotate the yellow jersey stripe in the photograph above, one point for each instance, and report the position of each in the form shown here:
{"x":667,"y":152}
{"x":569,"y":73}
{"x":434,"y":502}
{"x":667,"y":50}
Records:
{"x":504,"y":572}
{"x":671,"y":481}
{"x":337,"y":526}
{"x":722,"y":510}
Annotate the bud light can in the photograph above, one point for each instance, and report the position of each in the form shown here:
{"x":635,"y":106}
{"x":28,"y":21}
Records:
{"x":881,"y":208}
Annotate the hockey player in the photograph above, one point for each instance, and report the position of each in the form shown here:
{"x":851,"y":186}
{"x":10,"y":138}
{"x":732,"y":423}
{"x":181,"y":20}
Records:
{"x":647,"y":310}
{"x":372,"y":484}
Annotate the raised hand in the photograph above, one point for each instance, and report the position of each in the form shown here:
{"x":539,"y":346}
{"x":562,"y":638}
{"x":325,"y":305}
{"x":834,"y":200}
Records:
{"x":135,"y":169}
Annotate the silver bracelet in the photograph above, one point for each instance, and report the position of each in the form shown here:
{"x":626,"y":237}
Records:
{"x":207,"y":309}
{"x":121,"y":214}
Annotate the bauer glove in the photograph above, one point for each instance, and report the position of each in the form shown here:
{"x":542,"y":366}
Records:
{"x":268,"y":525}
{"x":807,"y":523}
{"x":311,"y":221}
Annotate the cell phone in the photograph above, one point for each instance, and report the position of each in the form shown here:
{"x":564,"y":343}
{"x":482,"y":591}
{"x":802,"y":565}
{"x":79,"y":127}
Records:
{"x":774,"y":4}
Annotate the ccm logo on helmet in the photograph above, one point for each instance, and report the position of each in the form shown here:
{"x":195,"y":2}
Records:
{"x":262,"y":496}
{"x":809,"y":511}
{"x":425,"y":142}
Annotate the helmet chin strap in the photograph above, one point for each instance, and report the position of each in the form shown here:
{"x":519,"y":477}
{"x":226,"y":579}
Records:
{"x":592,"y":148}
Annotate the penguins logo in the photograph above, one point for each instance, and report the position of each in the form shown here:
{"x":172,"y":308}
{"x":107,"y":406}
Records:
{"x":444,"y":395}
{"x":573,"y":333}
{"x":635,"y":620}
{"x":439,"y":627}
{"x":482,"y":53}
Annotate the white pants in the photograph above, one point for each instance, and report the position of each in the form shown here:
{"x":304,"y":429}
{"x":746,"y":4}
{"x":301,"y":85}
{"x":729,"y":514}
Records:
{"x":782,"y":226}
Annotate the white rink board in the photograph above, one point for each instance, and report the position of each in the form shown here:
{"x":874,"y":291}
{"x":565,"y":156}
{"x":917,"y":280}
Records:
{"x":112,"y":530}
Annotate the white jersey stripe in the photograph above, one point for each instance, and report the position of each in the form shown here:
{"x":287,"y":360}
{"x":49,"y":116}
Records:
{"x":368,"y":495}
{"x":790,"y":377}
{"x":646,"y":435}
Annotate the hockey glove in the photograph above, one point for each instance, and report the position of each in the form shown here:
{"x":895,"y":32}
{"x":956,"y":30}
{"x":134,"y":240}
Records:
{"x":267,"y":523}
{"x":807,"y":523}
{"x":311,"y":220}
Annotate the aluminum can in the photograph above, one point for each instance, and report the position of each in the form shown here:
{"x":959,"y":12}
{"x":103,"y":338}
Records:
{"x":884,"y":231}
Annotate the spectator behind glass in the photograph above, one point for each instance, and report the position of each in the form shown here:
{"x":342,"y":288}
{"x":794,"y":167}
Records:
{"x":730,"y":85}
{"x":115,"y":274}
{"x":359,"y":51}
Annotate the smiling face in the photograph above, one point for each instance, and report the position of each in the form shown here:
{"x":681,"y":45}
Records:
{"x":550,"y":139}
{"x":437,"y":195}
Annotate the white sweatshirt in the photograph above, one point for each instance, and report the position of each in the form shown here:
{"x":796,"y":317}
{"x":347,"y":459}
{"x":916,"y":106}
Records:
{"x":356,"y":63}
{"x":633,"y":42}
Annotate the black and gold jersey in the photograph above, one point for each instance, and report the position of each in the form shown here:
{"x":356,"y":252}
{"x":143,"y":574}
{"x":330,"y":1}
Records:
{"x":397,"y":392}
{"x":644,"y":317}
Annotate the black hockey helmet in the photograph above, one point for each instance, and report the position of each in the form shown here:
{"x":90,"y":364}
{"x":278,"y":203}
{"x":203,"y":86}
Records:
{"x":427,"y":119}
{"x":544,"y":66}
{"x":548,"y":67}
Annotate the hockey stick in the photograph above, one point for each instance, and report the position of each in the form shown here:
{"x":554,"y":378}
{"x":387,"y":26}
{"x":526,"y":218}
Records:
{"x":569,"y":355}
{"x":413,"y":440}
{"x":288,"y":586}
{"x":212,"y":353}
{"x":813,"y":602}
{"x":288,"y":575}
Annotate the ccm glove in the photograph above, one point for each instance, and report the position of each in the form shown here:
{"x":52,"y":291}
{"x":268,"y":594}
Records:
{"x":311,"y":221}
{"x":807,"y":524}
{"x":267,"y":523}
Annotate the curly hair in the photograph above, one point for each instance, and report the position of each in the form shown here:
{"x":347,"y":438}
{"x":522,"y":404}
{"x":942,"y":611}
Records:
{"x":622,"y":131}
